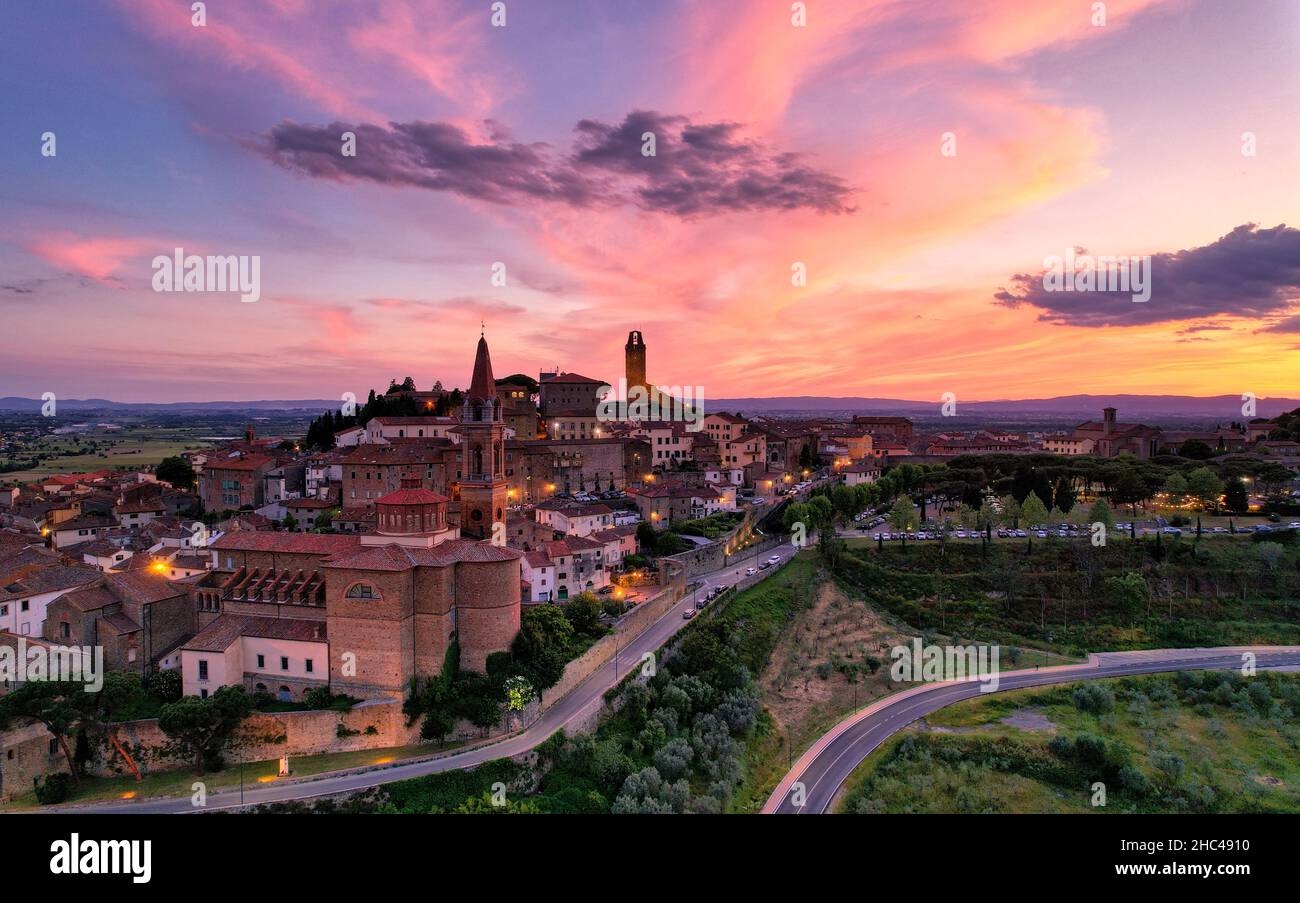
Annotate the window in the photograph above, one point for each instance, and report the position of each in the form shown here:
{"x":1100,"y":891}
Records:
{"x":310,"y":665}
{"x":362,"y":591}
{"x":261,"y":661}
{"x":284,"y":663}
{"x":203,"y":670}
{"x":25,"y":605}
{"x":203,"y":694}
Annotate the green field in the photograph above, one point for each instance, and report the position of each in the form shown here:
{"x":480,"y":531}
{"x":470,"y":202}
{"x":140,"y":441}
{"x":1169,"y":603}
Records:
{"x":102,"y":449}
{"x":1191,"y":742}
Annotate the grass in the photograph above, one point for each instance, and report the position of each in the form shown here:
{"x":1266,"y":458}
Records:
{"x":1203,"y":742}
{"x":178,"y":782}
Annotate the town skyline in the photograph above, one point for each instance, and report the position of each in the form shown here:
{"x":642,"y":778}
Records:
{"x":829,"y":152}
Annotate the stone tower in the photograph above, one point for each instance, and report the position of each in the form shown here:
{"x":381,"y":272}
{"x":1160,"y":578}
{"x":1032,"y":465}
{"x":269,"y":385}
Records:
{"x":482,"y":443}
{"x":634,"y":355}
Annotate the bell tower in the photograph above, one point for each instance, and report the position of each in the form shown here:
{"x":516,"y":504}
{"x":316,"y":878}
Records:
{"x":634,"y":356}
{"x":483,"y":452}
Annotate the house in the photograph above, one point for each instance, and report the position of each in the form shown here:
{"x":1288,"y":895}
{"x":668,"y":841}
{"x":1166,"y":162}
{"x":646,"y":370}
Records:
{"x":383,"y":430}
{"x":899,"y":428}
{"x":538,"y":573}
{"x":26,"y":592}
{"x":1110,"y":437}
{"x":135,"y":616}
{"x":285,"y":657}
{"x":861,"y":472}
{"x":574,"y":517}
{"x":82,"y":528}
{"x":234,"y":480}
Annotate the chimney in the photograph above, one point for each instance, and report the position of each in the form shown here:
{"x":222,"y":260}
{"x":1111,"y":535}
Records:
{"x":1108,"y":421}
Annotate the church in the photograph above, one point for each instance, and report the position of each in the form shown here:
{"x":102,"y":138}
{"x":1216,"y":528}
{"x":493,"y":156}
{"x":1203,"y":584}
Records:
{"x":366,"y":614}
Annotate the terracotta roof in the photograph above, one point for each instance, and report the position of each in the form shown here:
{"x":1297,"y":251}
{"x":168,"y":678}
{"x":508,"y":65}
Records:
{"x":393,"y":557}
{"x":244,"y":462}
{"x":323,"y":544}
{"x":413,"y":451}
{"x":420,"y":420}
{"x":226,"y":630}
{"x":85,"y":522}
{"x":538,"y":559}
{"x":119,"y":622}
{"x":411,"y":497}
{"x":46,"y":580}
{"x":572,"y":378}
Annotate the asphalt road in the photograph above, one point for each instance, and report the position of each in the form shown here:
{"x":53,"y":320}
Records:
{"x":577,"y":703}
{"x":827,"y":764}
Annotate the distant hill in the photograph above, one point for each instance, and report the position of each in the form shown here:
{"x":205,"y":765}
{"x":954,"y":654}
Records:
{"x":14,"y":403}
{"x":1131,"y":407}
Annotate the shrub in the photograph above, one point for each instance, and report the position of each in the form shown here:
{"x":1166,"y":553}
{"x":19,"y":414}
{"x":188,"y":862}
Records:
{"x":54,"y":789}
{"x":1094,"y":698}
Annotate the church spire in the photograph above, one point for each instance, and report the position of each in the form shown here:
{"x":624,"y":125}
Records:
{"x":482,"y":387}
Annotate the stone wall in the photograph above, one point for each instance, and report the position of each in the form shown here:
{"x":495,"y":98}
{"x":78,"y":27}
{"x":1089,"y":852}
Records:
{"x":631,"y":625}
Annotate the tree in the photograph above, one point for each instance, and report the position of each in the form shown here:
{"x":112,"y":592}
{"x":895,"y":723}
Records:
{"x":541,"y":647}
{"x":202,"y":727}
{"x":121,"y":691}
{"x":1064,"y":496}
{"x":902,"y":516}
{"x":583,"y":612}
{"x":1100,"y":513}
{"x":1034,"y":510}
{"x":1235,"y":497}
{"x":57,"y":704}
{"x":1176,"y":486}
{"x":1204,"y":484}
{"x":1195,"y":449}
{"x":1131,"y":489}
{"x":1128,"y":592}
{"x":175,"y":470}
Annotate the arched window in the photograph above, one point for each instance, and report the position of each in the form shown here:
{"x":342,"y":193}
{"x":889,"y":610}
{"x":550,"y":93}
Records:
{"x":362,"y":591}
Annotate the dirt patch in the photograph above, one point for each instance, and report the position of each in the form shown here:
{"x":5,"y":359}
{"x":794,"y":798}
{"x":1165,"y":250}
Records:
{"x":1030,"y":720}
{"x":924,"y":725}
{"x":806,"y":686}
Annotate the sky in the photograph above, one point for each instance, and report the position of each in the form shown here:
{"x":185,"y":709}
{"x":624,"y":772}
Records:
{"x":918,"y":161}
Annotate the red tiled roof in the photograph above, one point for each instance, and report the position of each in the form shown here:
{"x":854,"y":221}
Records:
{"x":411,"y":497}
{"x":323,"y":544}
{"x":572,"y":378}
{"x":393,"y":557}
{"x":227,"y":629}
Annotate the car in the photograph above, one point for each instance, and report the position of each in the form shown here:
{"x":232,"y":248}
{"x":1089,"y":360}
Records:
{"x":1263,"y":528}
{"x":774,"y":559}
{"x":864,"y":526}
{"x":1219,"y":530}
{"x":765,"y":565}
{"x":1041,"y":534}
{"x":1171,"y":531}
{"x":1002,"y":534}
{"x":750,"y":572}
{"x":1294,"y":525}
{"x":688,"y":614}
{"x":605,"y":590}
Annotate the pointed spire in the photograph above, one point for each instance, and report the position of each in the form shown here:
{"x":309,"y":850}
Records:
{"x":482,"y":386}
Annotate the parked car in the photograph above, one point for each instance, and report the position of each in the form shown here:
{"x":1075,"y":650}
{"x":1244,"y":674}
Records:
{"x":688,"y":614}
{"x":750,"y":572}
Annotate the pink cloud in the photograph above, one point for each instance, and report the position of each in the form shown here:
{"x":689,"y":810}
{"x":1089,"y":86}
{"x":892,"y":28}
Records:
{"x":98,"y":258}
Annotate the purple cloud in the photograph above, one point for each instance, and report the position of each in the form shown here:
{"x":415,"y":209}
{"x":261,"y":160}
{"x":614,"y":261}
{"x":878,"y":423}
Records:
{"x":1250,"y":272}
{"x":696,"y":170}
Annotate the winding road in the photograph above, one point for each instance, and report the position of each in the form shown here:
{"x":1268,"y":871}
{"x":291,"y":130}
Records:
{"x":816,"y":779}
